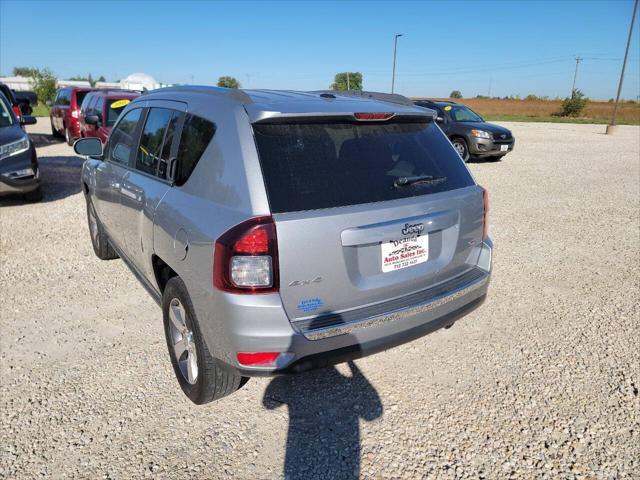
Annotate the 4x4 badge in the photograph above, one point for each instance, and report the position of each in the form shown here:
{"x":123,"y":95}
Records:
{"x":298,"y":283}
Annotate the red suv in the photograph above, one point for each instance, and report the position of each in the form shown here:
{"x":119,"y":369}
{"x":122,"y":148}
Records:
{"x":100,"y":110}
{"x":65,"y":113}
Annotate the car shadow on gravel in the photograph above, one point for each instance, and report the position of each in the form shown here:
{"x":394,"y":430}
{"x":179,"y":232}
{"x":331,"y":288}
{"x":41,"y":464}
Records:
{"x":44,"y":139}
{"x":325,"y":408}
{"x":59,"y":178}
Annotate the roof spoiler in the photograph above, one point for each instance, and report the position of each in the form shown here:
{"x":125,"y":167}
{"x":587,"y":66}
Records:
{"x":384,"y":97}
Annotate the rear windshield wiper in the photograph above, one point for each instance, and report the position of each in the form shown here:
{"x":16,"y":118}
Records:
{"x":408,"y":181}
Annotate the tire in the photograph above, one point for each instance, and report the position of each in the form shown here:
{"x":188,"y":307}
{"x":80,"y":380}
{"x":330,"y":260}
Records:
{"x":54,"y":132}
{"x":68,"y":137}
{"x":34,"y":195}
{"x":460,"y":144}
{"x":211,"y":379}
{"x":99,"y":238}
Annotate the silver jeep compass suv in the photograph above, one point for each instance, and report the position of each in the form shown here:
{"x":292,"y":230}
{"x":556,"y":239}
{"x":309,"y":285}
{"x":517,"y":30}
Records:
{"x":281,"y":231}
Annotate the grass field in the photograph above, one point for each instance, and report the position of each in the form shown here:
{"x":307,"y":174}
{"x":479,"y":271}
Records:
{"x":41,"y":110}
{"x":544,"y":110}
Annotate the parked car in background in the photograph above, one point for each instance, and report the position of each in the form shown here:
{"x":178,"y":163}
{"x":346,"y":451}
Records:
{"x":19,"y":173}
{"x":469,"y":133}
{"x":65,"y":113}
{"x":281,"y":231}
{"x":10,"y":97}
{"x":26,"y":101}
{"x":100,"y":109}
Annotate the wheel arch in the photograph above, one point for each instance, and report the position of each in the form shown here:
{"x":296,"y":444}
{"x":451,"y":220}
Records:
{"x":162,"y":272}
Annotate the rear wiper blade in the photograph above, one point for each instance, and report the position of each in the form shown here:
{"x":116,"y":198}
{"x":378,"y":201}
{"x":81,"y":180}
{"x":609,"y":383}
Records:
{"x":408,"y":181}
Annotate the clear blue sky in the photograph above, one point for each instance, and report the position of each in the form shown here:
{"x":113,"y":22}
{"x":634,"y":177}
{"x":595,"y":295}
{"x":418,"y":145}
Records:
{"x":517,"y":47}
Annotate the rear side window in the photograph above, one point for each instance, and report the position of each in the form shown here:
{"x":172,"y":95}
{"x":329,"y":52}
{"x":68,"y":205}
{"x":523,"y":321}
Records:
{"x":196,"y":135}
{"x":152,"y":141}
{"x":63,"y":97}
{"x":122,"y":138}
{"x":325,"y":165}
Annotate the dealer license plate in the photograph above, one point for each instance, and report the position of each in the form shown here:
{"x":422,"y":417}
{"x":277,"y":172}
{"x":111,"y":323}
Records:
{"x":403,"y":253}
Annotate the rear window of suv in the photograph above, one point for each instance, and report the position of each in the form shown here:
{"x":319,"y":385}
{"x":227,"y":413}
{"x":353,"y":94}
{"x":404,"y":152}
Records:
{"x":308,"y":166}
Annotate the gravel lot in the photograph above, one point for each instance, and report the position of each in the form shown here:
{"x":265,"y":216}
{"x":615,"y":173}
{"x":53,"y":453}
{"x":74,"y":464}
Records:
{"x":541,"y":382}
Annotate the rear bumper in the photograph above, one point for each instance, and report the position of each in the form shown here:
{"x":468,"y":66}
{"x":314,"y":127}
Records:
{"x":481,"y":147}
{"x":269,"y":330}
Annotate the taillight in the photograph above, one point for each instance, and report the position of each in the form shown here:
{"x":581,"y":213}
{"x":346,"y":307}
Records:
{"x":485,"y":218}
{"x":17,"y":111}
{"x":373,"y":116}
{"x":257,"y":358}
{"x":75,"y":113}
{"x":246,"y":258}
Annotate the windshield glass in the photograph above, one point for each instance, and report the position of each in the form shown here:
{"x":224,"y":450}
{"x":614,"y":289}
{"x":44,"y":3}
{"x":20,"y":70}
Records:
{"x":308,"y":166}
{"x":464,"y":114}
{"x":6,"y":119}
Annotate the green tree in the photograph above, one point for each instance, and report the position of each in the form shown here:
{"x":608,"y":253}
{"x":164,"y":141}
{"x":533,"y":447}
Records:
{"x":455,"y":94}
{"x":102,"y":79}
{"x":574,"y":105}
{"x":44,"y":84}
{"x":228,"y":82}
{"x":24,"y":71}
{"x":347,"y":81}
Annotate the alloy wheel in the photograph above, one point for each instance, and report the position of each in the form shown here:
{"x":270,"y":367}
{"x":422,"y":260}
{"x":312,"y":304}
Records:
{"x":183,"y":343}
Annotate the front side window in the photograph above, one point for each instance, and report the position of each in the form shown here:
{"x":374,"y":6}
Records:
{"x":196,"y":135}
{"x":309,"y":166}
{"x":122,"y":138}
{"x":152,"y":141}
{"x":6,"y":119}
{"x":97,"y":109}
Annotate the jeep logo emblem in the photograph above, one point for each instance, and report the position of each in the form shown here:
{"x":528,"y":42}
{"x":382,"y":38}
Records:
{"x":409,"y":229}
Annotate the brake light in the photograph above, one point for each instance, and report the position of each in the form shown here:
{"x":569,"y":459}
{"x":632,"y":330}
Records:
{"x":246,"y":258}
{"x":257,"y":358}
{"x":17,"y":111}
{"x":485,"y":218}
{"x":374,"y":116}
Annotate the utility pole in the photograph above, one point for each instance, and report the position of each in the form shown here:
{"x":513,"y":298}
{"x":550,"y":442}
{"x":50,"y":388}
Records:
{"x":395,"y":48}
{"x":490,"y":80}
{"x":348,"y":85}
{"x":575,"y":75}
{"x":611,"y":128}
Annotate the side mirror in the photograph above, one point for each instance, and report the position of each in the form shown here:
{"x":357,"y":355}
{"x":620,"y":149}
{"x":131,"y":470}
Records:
{"x":92,"y":119}
{"x":440,"y":119}
{"x":27,"y":120}
{"x":91,"y":147}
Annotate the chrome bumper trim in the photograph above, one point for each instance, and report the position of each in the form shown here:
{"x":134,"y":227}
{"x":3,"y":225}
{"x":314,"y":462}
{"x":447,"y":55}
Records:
{"x":320,"y":333}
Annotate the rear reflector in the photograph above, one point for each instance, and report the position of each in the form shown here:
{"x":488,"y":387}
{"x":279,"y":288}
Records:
{"x":257,"y":358}
{"x":485,"y":218}
{"x":373,"y":116}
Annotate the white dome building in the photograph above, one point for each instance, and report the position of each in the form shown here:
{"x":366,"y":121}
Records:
{"x":140,"y":81}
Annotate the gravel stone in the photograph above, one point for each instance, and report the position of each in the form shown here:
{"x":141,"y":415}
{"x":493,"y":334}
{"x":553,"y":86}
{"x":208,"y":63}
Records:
{"x":540,"y":382}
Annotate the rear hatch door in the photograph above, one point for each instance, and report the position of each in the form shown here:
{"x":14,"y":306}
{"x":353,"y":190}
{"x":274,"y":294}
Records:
{"x":365,"y":212}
